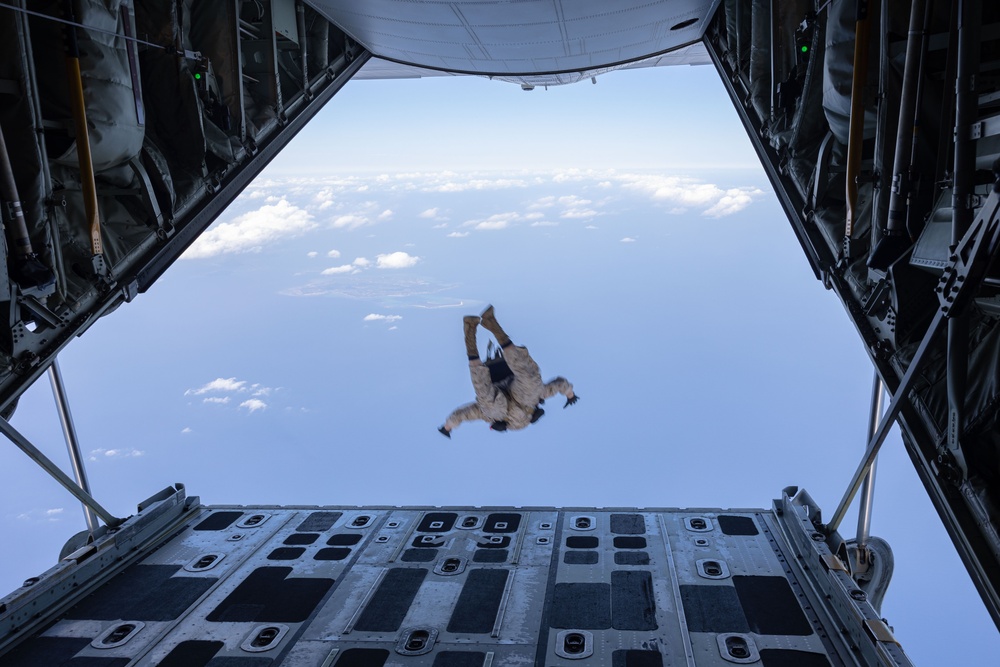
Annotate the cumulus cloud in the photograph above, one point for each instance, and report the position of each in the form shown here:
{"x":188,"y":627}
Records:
{"x":374,"y":317}
{"x":253,"y":405}
{"x":343,"y":268}
{"x":628,"y":239}
{"x":458,"y":235}
{"x":225,"y":389}
{"x":495,"y":221}
{"x":333,"y":254}
{"x":544,"y":223}
{"x":572,"y":207}
{"x":312,"y":254}
{"x":396,"y":260}
{"x":122,"y":453}
{"x":430,"y":213}
{"x":683,"y":192}
{"x":218,"y":385}
{"x":361,"y":261}
{"x":186,"y":430}
{"x":251,"y":232}
{"x":385,"y":215}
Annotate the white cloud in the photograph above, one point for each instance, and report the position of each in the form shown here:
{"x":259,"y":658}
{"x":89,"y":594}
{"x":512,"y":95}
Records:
{"x":343,"y":268}
{"x":251,"y":232}
{"x":186,"y":430}
{"x":361,"y":261}
{"x":373,"y":317}
{"x":495,"y":221}
{"x":254,"y":404}
{"x":430,"y":213}
{"x":333,"y":254}
{"x":544,"y":223}
{"x":591,"y":227}
{"x":683,"y":192}
{"x":628,"y":239}
{"x":123,"y":453}
{"x":312,"y":254}
{"x":218,"y":384}
{"x":261,"y":391}
{"x":458,"y":235}
{"x":220,"y":400}
{"x":385,"y":215}
{"x":54,"y":511}
{"x":396,"y":260}
{"x":443,"y":225}
{"x":350,"y":221}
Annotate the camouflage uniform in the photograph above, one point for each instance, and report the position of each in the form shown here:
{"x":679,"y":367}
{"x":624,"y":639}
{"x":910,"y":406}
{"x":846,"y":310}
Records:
{"x":515,"y":406}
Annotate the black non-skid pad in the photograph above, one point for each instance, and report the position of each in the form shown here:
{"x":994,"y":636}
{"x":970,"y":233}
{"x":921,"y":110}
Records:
{"x":419,"y":555}
{"x":635,"y":658}
{"x":301,"y":538}
{"x":332,"y":553}
{"x":582,"y":542}
{"x":737,"y":525}
{"x":633,"y":604}
{"x":286,"y":553}
{"x":713,"y":609}
{"x":581,"y":606}
{"x":505,"y":522}
{"x":770,"y":606}
{"x":479,"y":601}
{"x":388,"y":606}
{"x":142,"y":593}
{"x":631,"y":558}
{"x":344,"y":539}
{"x":317,"y":522}
{"x":630,"y":543}
{"x":459,"y":659}
{"x":194,"y":653}
{"x":363,"y":657}
{"x":269,"y":595}
{"x":628,"y":524}
{"x":581,"y":557}
{"x":218,"y":521}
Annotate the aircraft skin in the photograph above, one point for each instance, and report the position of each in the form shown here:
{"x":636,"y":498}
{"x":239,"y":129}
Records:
{"x":879,"y":131}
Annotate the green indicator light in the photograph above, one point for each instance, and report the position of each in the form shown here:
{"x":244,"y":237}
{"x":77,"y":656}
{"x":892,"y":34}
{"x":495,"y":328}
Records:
{"x":197,"y":75}
{"x":805,"y":49}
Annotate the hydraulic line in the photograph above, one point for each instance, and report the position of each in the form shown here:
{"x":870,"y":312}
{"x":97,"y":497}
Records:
{"x":894,"y":240}
{"x":862,"y":30}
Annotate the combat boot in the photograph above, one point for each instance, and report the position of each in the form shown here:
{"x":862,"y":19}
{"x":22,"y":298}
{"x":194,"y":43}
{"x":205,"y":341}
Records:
{"x":490,"y":323}
{"x":471,"y":322}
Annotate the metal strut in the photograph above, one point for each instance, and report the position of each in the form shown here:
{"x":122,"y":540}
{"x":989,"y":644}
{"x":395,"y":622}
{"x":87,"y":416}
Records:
{"x":72,"y":442}
{"x":868,"y":486}
{"x":959,"y":283}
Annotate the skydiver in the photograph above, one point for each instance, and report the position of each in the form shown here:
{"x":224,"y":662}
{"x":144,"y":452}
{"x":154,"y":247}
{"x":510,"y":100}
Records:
{"x":510,"y":397}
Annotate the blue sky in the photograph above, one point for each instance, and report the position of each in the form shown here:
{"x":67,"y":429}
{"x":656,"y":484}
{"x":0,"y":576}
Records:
{"x":308,"y":346}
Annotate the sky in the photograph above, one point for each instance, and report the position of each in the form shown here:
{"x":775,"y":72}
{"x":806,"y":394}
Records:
{"x":306,"y":348}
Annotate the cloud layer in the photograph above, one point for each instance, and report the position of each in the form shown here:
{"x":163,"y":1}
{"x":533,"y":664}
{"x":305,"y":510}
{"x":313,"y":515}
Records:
{"x":252,"y":232}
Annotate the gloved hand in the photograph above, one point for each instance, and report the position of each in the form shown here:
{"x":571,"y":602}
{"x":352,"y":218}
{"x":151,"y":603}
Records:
{"x":445,"y":432}
{"x":571,"y":401}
